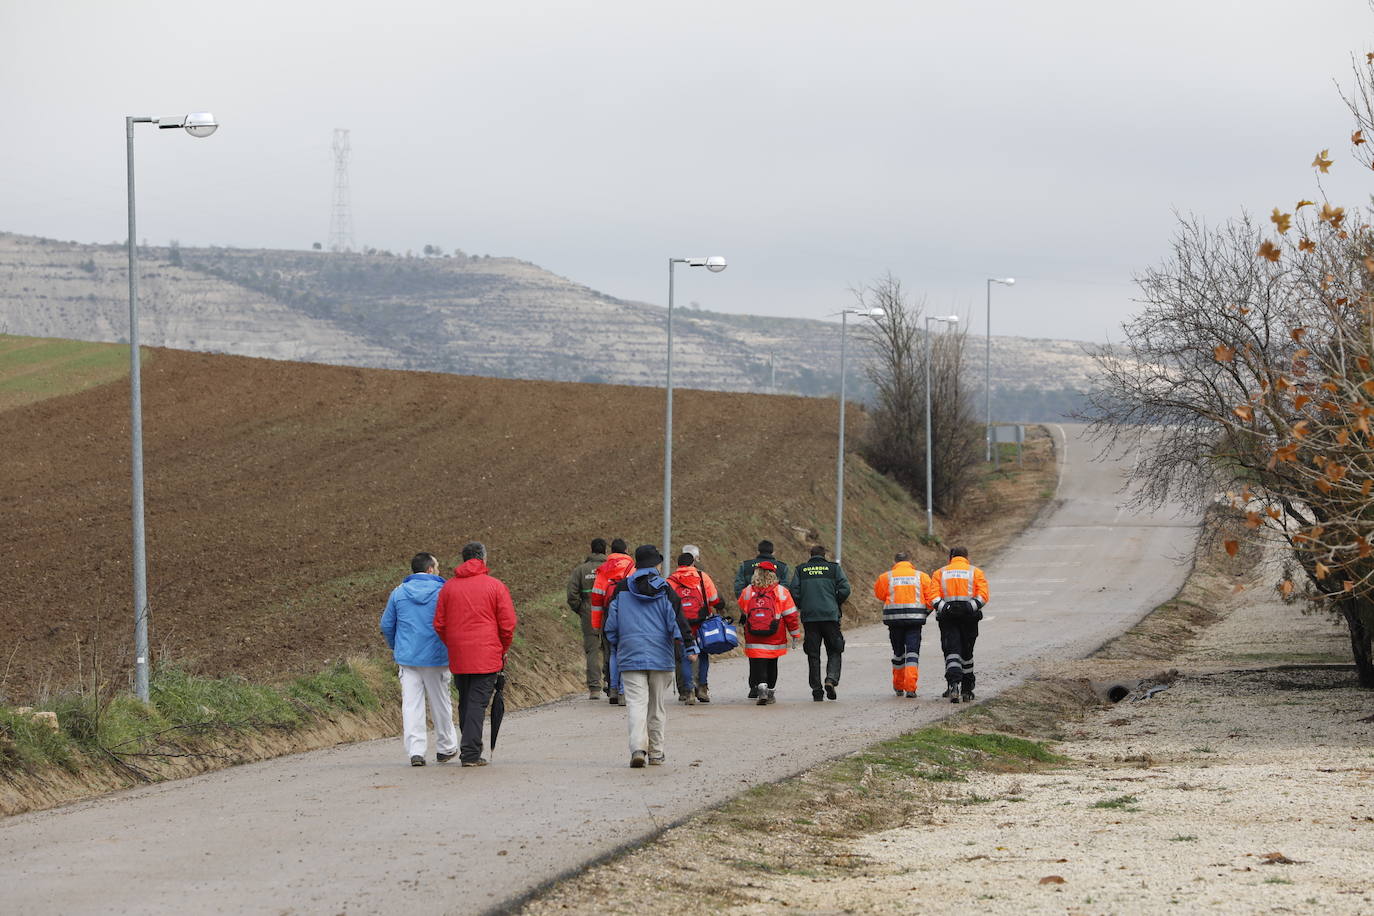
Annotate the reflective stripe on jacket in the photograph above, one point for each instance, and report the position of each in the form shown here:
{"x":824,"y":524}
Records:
{"x":961,"y":579}
{"x":906,"y":593}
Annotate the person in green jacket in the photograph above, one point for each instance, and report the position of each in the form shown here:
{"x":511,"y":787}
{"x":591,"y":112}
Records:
{"x":580,"y":582}
{"x":820,"y":588}
{"x":745,"y":573}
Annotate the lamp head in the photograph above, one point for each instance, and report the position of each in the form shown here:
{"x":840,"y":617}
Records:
{"x":200,"y":124}
{"x":715,"y":264}
{"x":876,"y":313}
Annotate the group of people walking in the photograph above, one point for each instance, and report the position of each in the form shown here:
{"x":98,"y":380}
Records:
{"x":642,"y":634}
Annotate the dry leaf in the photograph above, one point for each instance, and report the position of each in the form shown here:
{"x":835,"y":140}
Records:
{"x":1300,"y":401}
{"x":1296,"y":333}
{"x":1349,"y":585}
{"x":1321,"y":162}
{"x":1357,"y":137}
{"x":1268,"y":250}
{"x":1231,"y":547}
{"x":1286,"y":587}
{"x":1223,"y":354}
{"x":1321,"y":570}
{"x":1333,"y":215}
{"x":1245,"y":412}
{"x":1303,"y":203}
{"x":1053,"y":879}
{"x":1282,"y":220}
{"x":1306,"y":245}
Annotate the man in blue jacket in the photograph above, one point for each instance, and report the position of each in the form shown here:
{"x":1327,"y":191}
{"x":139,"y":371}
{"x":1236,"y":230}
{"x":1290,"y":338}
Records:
{"x":644,"y":621}
{"x":408,"y":626}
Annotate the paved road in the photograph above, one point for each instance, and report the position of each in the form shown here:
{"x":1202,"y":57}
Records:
{"x":355,"y":829}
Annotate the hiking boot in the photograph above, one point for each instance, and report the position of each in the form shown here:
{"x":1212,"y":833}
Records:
{"x":830,"y":688}
{"x":762,"y":696}
{"x":610,"y":696}
{"x":594,"y":693}
{"x":703,"y":694}
{"x":690,"y":698}
{"x":479,"y":762}
{"x":771,"y":699}
{"x":968,"y":696}
{"x":899,"y":691}
{"x":753,"y":693}
{"x":682,"y":697}
{"x":638,"y":759}
{"x":911,"y":694}
{"x":818,"y":696}
{"x":658,"y":760}
{"x":954,"y":694}
{"x":416,"y":760}
{"x":445,"y":758}
{"x":946,"y":694}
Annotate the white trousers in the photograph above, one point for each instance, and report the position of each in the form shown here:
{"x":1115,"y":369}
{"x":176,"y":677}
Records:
{"x":645,"y":696}
{"x":417,"y":684}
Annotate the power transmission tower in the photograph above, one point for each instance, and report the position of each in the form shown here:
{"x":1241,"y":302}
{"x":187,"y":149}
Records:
{"x":341,"y":216}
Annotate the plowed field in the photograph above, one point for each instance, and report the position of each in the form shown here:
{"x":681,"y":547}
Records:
{"x":284,"y":501}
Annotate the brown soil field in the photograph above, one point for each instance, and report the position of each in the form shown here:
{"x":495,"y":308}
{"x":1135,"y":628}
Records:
{"x":285,"y":499}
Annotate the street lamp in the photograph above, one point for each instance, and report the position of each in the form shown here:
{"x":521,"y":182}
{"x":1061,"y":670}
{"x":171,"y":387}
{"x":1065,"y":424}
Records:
{"x":197,"y":124}
{"x":987,"y":364}
{"x":715,"y":265}
{"x":839,"y":463}
{"x":930,"y":489}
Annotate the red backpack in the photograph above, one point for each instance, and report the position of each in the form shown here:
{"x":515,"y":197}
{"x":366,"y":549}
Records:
{"x":693,"y":598}
{"x":761,"y":617}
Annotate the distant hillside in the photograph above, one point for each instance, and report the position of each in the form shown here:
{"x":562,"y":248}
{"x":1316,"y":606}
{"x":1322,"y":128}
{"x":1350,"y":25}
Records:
{"x":496,"y":317}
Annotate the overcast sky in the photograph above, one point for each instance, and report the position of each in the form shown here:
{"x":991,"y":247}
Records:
{"x":815,"y":145}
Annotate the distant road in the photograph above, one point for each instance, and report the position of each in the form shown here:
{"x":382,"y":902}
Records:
{"x":354,"y":829}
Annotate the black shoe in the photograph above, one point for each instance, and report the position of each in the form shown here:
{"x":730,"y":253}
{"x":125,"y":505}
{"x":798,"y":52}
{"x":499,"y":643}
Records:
{"x":638,"y":759}
{"x":968,"y":696}
{"x":818,"y":696}
{"x":954,"y":694}
{"x":416,"y":760}
{"x":445,"y":758}
{"x":479,"y":762}
{"x":830,"y":688}
{"x":762,"y":697}
{"x":753,"y":693}
{"x":946,"y":694}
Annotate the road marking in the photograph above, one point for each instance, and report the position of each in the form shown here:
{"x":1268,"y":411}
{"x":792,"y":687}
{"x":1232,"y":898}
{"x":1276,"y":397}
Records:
{"x":1063,"y":461}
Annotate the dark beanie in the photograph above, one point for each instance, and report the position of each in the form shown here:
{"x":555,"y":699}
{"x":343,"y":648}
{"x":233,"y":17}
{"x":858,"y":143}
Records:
{"x":647,"y":555}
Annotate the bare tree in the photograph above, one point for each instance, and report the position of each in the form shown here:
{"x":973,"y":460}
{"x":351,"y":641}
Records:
{"x":1249,"y":373}
{"x":895,"y":442}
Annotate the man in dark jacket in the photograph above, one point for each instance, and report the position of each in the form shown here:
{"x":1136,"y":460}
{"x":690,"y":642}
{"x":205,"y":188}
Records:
{"x":643,"y":624}
{"x":746,"y":569}
{"x":580,"y":582}
{"x":475,"y":618}
{"x":819,"y":588}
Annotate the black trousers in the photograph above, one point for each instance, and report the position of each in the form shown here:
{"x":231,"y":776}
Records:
{"x":763,"y":671}
{"x":957,"y":636}
{"x":827,"y":633}
{"x":474,"y":695}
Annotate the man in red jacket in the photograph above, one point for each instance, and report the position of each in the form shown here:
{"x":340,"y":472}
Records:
{"x":475,"y":618}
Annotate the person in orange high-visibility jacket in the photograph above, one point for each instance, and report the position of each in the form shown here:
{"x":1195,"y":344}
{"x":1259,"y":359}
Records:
{"x":769,"y":619}
{"x":907,"y":595}
{"x":963,"y":593}
{"x":618,"y":566}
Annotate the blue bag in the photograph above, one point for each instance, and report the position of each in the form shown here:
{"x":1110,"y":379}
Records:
{"x":716,"y":636}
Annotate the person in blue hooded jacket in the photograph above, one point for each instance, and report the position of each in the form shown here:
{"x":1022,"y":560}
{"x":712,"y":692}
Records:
{"x":408,"y":626}
{"x":643,"y":624}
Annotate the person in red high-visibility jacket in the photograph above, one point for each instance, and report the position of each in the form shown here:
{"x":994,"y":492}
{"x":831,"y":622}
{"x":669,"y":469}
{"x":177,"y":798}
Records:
{"x":963,"y":593}
{"x":764,"y":600}
{"x":618,"y":566}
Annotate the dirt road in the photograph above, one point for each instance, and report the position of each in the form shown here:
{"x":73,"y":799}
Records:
{"x":356,"y":830}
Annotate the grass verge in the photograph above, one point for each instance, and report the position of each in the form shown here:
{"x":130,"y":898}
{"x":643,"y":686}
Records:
{"x":106,"y":739}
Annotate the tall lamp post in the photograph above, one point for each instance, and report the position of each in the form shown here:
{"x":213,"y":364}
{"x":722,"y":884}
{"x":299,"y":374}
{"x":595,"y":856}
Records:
{"x":930,"y":488}
{"x":715,"y":265}
{"x":839,"y":461}
{"x":987,"y":364}
{"x":197,"y":124}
